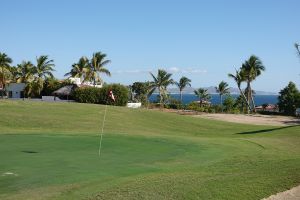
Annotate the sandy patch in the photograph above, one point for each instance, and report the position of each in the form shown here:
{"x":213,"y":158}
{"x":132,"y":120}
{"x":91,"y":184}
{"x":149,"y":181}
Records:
{"x":256,"y":119}
{"x":292,"y":194}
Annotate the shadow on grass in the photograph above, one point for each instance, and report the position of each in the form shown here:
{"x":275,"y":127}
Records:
{"x":29,"y":151}
{"x":292,"y":122}
{"x":267,"y":130}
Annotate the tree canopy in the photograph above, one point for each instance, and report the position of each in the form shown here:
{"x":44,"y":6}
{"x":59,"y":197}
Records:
{"x":289,"y":99}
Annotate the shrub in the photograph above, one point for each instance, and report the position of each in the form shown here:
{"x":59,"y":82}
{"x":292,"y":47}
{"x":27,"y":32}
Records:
{"x":193,"y":106}
{"x":229,"y":103}
{"x":87,"y":95}
{"x":196,"y":107}
{"x":216,"y":108}
{"x":101,"y":95}
{"x":174,"y":104}
{"x":211,"y":110}
{"x":235,"y":111}
{"x":120,"y":93}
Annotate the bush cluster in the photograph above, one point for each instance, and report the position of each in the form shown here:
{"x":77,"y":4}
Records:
{"x":204,"y":108}
{"x":229,"y":106}
{"x":87,"y":95}
{"x":101,"y":95}
{"x":174,"y":104}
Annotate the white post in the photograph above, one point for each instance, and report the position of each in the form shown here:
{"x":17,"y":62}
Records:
{"x":101,"y":135}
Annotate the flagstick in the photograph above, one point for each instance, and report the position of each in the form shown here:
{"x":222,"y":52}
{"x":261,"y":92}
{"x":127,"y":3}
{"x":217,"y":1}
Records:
{"x":101,"y":135}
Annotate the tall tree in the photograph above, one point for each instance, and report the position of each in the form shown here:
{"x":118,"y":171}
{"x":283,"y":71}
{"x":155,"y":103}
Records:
{"x":161,"y":82}
{"x":222,"y":89}
{"x":202,"y":94}
{"x":238,"y":79}
{"x":5,"y":62}
{"x":183,"y":82}
{"x":97,"y":66}
{"x":42,"y":70}
{"x":142,"y":91}
{"x":289,"y":99}
{"x":250,"y":70}
{"x":79,"y":69}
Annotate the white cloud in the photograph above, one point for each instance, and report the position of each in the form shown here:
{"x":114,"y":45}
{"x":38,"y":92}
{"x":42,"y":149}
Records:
{"x":134,"y":71}
{"x":194,"y":70}
{"x":172,"y":70}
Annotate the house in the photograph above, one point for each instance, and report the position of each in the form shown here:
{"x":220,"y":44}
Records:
{"x":1,"y":90}
{"x":267,"y":107}
{"x":64,"y":92}
{"x":203,"y":102}
{"x":15,"y":90}
{"x":80,"y":83}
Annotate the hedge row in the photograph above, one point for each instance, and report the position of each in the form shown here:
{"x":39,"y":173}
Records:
{"x":101,"y":95}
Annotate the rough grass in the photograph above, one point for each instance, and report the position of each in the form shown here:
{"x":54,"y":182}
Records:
{"x":52,"y":149}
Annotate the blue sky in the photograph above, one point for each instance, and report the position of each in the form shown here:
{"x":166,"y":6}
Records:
{"x":203,"y":40}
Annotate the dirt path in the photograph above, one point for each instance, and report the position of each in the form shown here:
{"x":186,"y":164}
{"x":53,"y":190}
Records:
{"x":292,"y":194}
{"x":256,"y":119}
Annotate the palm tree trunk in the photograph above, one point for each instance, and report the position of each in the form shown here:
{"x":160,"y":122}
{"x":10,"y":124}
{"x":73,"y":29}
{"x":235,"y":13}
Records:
{"x":181,"y":96}
{"x":221,"y":102}
{"x":298,"y":50}
{"x":160,"y":98}
{"x":252,"y":100}
{"x":147,"y":102}
{"x":2,"y":84}
{"x":245,"y":98}
{"x":248,"y":95}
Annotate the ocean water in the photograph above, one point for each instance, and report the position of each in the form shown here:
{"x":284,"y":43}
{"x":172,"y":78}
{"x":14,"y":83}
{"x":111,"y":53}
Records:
{"x":215,"y":98}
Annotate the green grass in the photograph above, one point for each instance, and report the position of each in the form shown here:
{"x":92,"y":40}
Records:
{"x":53,"y":149}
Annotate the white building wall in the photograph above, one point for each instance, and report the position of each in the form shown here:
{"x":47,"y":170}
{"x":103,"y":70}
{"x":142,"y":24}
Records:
{"x":15,"y":89}
{"x":134,"y":105}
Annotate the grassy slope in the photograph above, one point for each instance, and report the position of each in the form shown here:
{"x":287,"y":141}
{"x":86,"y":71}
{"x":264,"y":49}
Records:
{"x":146,"y":154}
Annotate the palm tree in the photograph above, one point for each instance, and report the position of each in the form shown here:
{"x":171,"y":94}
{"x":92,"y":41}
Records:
{"x":25,"y":72}
{"x":97,"y":66}
{"x":42,"y":70}
{"x":202,"y":94}
{"x":222,"y":89}
{"x":250,"y":70}
{"x":79,"y":69}
{"x":161,"y":82}
{"x":31,"y":89}
{"x":14,"y":73}
{"x":5,"y":62}
{"x":183,"y":82}
{"x":238,"y":79}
